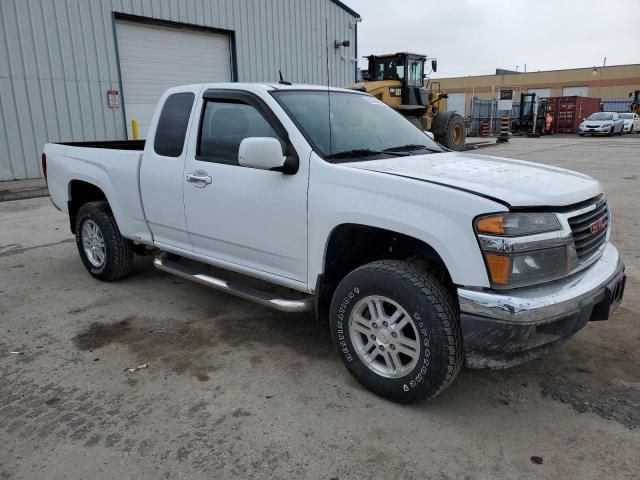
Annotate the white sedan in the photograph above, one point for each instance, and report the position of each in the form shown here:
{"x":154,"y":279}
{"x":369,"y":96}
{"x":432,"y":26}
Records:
{"x":631,"y":122}
{"x":602,"y":123}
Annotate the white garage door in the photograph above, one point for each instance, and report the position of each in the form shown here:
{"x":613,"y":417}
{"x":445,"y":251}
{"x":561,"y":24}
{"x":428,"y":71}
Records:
{"x":455,"y":103}
{"x":154,"y":58}
{"x":579,"y":91}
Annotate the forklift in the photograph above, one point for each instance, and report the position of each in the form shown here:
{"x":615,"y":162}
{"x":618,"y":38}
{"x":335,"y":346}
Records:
{"x":531,"y":121}
{"x":398,"y":81}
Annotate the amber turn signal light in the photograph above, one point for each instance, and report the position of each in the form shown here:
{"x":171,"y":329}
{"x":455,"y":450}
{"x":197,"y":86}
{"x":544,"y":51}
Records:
{"x":499,"y":267}
{"x":493,"y":224}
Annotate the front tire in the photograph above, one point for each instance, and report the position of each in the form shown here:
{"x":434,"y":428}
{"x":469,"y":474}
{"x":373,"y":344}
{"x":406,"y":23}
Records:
{"x":397,"y":330}
{"x":105,"y":253}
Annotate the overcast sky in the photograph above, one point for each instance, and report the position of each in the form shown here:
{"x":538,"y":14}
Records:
{"x":474,"y":37}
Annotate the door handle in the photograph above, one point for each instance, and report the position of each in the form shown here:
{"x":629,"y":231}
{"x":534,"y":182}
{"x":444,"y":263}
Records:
{"x":199,"y":178}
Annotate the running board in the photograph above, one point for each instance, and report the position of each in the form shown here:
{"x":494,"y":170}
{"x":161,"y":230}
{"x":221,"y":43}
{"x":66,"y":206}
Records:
{"x":239,"y":290}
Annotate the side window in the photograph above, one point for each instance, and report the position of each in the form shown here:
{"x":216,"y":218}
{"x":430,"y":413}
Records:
{"x":224,"y":125}
{"x":172,"y":125}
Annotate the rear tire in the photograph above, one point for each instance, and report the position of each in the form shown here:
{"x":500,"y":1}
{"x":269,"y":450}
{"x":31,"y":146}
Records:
{"x":106,"y":254}
{"x":448,"y":130}
{"x":408,"y":358}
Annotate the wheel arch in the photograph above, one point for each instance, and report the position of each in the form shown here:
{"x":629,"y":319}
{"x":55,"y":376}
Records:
{"x":351,"y":245}
{"x":79,"y":193}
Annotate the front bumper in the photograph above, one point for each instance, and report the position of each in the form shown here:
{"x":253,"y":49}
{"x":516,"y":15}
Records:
{"x":501,"y":329}
{"x":595,"y":131}
{"x":626,"y":127}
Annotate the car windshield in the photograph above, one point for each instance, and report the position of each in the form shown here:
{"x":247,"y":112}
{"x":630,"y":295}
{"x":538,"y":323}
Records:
{"x":354,"y":127}
{"x":600,"y":116}
{"x":626,"y":115}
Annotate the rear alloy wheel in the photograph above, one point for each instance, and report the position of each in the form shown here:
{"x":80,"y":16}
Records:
{"x":106,"y":254}
{"x":93,"y":243}
{"x":397,"y":330}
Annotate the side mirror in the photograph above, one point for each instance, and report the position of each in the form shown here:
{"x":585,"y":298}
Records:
{"x":430,"y":135}
{"x":434,"y":65}
{"x":264,"y":153}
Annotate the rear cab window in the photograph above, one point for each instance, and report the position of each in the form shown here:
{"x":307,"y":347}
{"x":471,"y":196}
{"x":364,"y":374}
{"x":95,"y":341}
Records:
{"x":173,"y":124}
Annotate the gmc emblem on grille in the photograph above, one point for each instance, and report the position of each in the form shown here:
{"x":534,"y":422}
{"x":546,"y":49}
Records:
{"x":598,"y":225}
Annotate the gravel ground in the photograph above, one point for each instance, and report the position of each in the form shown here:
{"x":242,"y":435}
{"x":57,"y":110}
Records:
{"x":233,"y":390}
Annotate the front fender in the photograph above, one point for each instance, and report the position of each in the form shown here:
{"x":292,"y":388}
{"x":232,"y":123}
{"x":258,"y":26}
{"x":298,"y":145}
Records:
{"x":439,"y":216}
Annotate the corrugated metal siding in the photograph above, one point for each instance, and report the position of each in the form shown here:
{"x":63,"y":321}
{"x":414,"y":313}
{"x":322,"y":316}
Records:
{"x":58,"y":58}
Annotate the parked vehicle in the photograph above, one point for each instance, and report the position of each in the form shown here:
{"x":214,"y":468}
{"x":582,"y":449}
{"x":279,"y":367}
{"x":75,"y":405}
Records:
{"x":602,"y":123}
{"x":631,"y":122}
{"x":419,"y":258}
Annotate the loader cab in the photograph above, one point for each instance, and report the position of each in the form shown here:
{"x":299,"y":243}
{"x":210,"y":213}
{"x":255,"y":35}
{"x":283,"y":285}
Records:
{"x":405,"y":68}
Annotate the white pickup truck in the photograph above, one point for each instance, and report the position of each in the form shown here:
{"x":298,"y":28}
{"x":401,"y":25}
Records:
{"x":420,"y":259}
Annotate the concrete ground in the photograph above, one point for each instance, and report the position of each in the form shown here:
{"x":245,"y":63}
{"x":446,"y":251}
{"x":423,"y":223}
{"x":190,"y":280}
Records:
{"x":21,"y":189}
{"x":233,"y":390}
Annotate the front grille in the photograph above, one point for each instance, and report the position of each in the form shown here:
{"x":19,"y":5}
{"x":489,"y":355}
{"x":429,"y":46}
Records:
{"x":590,"y":230}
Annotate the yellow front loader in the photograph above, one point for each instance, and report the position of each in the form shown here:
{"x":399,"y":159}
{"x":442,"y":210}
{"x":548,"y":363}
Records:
{"x":635,"y":104}
{"x":398,"y":81}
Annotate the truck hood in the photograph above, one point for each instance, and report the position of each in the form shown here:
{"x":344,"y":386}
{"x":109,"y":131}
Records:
{"x":515,"y":182}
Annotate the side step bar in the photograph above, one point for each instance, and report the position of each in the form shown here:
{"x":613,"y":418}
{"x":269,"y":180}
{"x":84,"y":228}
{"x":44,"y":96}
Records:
{"x":237,"y":289}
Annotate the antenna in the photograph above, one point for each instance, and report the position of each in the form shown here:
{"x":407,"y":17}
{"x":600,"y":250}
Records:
{"x":326,"y":34}
{"x":282,"y":80}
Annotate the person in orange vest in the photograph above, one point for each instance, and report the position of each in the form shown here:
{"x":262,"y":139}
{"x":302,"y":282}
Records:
{"x":548,"y":122}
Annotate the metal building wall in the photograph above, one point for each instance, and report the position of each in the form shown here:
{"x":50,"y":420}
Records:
{"x":58,"y":59}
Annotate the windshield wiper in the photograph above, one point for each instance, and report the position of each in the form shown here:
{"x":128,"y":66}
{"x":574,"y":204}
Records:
{"x":363,"y":152}
{"x":409,"y":148}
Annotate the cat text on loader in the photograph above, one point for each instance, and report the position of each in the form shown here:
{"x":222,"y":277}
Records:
{"x":398,"y":81}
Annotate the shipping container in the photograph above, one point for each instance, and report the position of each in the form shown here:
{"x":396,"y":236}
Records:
{"x":568,"y":112}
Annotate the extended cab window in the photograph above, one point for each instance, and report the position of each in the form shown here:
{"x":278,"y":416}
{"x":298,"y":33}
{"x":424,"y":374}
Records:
{"x":172,"y":125}
{"x":224,"y":125}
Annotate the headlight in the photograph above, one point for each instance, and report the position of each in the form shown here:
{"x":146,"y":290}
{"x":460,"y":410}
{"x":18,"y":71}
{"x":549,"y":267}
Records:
{"x":395,"y":92}
{"x":523,"y":249}
{"x":518,"y":224}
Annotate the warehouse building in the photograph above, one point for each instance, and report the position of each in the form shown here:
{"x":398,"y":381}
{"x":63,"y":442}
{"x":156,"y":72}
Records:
{"x":612,"y":83}
{"x":73,"y":70}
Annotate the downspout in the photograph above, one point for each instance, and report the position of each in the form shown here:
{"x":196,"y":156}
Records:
{"x":355,"y":46}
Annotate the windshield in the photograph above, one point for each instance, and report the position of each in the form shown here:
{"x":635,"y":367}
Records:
{"x":600,"y":116}
{"x":626,"y":115}
{"x":389,"y":69}
{"x":358,"y":123}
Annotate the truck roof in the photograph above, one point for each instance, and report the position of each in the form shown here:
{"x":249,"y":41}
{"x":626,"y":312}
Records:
{"x":264,"y":85}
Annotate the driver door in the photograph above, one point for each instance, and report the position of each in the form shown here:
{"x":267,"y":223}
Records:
{"x":244,"y":218}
